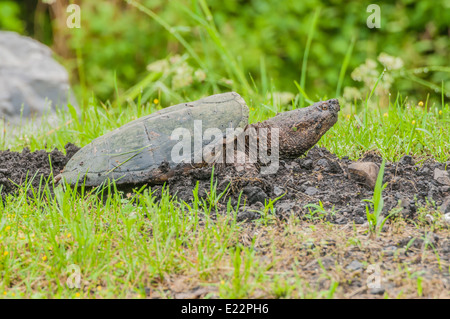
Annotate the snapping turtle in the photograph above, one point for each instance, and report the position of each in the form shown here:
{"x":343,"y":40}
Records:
{"x":147,"y":151}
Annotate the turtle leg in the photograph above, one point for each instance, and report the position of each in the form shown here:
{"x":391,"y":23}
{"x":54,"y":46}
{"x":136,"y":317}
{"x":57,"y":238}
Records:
{"x":57,"y":178}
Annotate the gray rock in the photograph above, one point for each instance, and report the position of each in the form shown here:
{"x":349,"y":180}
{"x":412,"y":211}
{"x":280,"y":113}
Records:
{"x":442,"y":176}
{"x":424,"y":171}
{"x":30,"y":78}
{"x":311,"y":191}
{"x":432,"y":192}
{"x":254,"y":194}
{"x":446,"y":219}
{"x":307,"y":164}
{"x":292,"y":165}
{"x":364,"y":172}
{"x":305,"y":185}
{"x":445,"y":207}
{"x":335,"y":168}
{"x":323,"y":163}
{"x":277,"y":190}
{"x":377,"y":291}
{"x":446,"y":247}
{"x":407,"y":160}
{"x":247,"y":215}
{"x":285,"y":207}
{"x":354,"y":265}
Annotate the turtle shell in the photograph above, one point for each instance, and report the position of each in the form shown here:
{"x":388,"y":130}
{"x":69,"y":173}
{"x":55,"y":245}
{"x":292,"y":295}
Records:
{"x":140,"y":151}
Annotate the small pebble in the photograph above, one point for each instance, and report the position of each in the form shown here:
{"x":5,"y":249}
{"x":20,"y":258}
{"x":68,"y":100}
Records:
{"x":445,"y":207}
{"x":364,"y":172}
{"x":447,"y":219}
{"x":442,"y":176}
{"x":311,"y":191}
{"x":424,"y":171}
{"x":277,"y":190}
{"x":377,"y":291}
{"x":322,"y":162}
{"x":307,"y":164}
{"x":407,"y":160}
{"x":354,"y":265}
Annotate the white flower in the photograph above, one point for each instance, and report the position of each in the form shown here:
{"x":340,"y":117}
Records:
{"x":199,"y":75}
{"x":365,"y":72}
{"x":158,"y":66}
{"x":182,"y":76}
{"x":351,"y":93}
{"x":282,"y":98}
{"x":390,"y":62}
{"x":371,"y":64}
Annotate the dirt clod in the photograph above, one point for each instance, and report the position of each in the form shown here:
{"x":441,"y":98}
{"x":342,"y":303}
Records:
{"x":441,"y":176}
{"x":18,"y":168}
{"x":364,"y":172}
{"x":318,"y":178}
{"x":445,"y":207}
{"x":311,"y":180}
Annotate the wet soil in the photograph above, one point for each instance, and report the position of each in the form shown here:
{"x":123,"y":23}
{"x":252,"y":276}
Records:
{"x":413,"y":241}
{"x":18,"y":168}
{"x":319,"y":177}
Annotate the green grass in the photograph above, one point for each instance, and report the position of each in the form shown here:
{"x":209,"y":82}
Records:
{"x":392,"y":130}
{"x":373,"y":212}
{"x":134,"y":239}
{"x":125,"y":243}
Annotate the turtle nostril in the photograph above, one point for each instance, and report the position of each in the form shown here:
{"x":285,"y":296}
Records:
{"x":334,"y":105}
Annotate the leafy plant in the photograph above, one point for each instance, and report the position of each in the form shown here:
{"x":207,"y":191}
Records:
{"x":10,"y":16}
{"x":268,"y":213}
{"x":374,"y":218}
{"x":213,"y":197}
{"x":318,"y":212}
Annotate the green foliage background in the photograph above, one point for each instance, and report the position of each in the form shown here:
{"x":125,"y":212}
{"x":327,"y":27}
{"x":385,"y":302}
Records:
{"x":266,"y":39}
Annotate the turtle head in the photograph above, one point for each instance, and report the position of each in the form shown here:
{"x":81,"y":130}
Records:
{"x":317,"y":119}
{"x":301,"y":129}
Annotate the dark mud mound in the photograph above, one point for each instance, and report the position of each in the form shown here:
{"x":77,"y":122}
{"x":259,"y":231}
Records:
{"x":316,"y":178}
{"x":321,"y":177}
{"x":18,"y":167}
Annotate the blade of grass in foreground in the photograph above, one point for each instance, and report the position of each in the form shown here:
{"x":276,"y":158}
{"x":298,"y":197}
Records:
{"x":305,"y":55}
{"x":344,"y":67}
{"x":169,"y":28}
{"x":366,"y":105}
{"x":207,"y":22}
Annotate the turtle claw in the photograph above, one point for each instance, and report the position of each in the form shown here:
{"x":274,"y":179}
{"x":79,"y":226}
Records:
{"x":57,"y":178}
